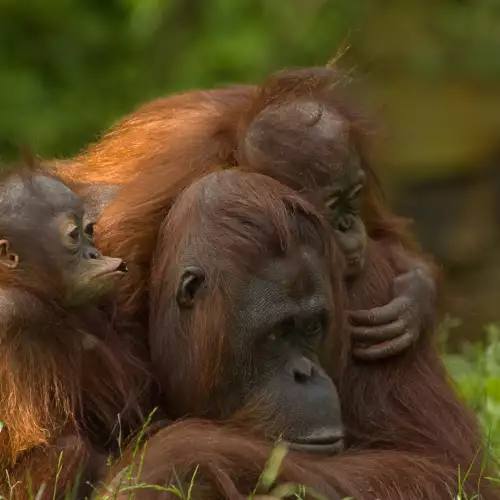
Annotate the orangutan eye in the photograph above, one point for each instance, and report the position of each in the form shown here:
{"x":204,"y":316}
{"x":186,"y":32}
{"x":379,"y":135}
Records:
{"x":332,"y":203}
{"x":355,"y":193}
{"x":312,"y":326}
{"x":74,"y":234}
{"x":89,"y":229}
{"x":281,"y":330}
{"x":355,"y":199}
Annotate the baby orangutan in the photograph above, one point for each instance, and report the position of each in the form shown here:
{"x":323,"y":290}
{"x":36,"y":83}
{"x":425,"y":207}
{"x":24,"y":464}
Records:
{"x":297,"y":128}
{"x":300,"y":133}
{"x":64,"y":373}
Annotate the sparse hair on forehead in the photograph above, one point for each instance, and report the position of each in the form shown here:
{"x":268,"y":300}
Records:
{"x":28,"y":189}
{"x":302,"y":139}
{"x":299,"y":130}
{"x":244,"y":216}
{"x":303,"y":116}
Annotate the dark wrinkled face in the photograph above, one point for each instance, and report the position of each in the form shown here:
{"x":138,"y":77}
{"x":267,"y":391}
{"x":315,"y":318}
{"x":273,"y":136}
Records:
{"x":48,"y":222}
{"x":343,"y":207}
{"x":273,"y":380}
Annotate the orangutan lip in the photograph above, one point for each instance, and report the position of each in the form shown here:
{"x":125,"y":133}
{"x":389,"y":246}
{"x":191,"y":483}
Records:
{"x":330,"y":443}
{"x":118,"y":270}
{"x":327,"y":448}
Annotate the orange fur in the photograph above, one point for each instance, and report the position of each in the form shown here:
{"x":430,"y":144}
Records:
{"x":162,"y":147}
{"x":409,"y":434}
{"x":401,"y":404}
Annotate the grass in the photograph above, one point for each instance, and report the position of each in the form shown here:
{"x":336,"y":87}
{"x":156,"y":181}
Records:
{"x":476,"y":372}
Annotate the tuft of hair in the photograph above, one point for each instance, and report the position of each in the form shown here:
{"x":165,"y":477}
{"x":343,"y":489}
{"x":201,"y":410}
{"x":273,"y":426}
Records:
{"x":300,"y":127}
{"x":241,"y":216}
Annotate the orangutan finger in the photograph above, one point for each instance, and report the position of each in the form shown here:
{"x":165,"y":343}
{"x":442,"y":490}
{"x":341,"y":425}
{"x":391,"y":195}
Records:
{"x":378,"y":333}
{"x":380,"y":315}
{"x":385,"y":349}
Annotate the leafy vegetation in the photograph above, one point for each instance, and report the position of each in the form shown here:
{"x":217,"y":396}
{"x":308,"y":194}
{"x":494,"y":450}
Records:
{"x":69,"y":68}
{"x":477,"y":374}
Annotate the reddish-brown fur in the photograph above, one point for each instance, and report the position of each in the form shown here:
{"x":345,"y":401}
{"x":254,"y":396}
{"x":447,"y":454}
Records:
{"x":406,"y":403}
{"x":414,"y":432}
{"x":169,"y":142}
{"x":230,"y":461}
{"x":65,"y":376}
{"x":403,"y":404}
{"x":253,"y":220}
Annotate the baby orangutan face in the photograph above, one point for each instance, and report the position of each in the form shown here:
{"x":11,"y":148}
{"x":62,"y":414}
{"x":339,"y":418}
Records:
{"x":89,"y":274}
{"x":44,"y":225}
{"x":343,"y":207}
{"x":333,"y":162}
{"x":306,"y":145}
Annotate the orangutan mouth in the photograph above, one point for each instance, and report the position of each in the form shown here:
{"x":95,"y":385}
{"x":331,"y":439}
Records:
{"x":329,"y":442}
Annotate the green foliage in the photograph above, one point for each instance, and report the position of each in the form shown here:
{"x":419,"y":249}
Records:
{"x":69,"y":68}
{"x":429,"y":38}
{"x":477,"y":374}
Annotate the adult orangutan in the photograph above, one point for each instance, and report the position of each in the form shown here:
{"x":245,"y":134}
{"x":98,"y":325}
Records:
{"x":240,"y":309}
{"x":65,"y":376}
{"x":242,"y":273}
{"x":242,"y":301}
{"x":168,"y":143}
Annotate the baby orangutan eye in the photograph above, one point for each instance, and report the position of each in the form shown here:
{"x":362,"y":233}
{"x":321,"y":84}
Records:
{"x":89,"y":229}
{"x":355,"y":199}
{"x":74,"y":234}
{"x":332,"y":203}
{"x":356,"y":193}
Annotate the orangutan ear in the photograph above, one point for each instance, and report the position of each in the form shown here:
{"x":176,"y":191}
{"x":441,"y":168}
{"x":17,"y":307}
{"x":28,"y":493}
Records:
{"x":7,"y":258}
{"x":191,"y":281}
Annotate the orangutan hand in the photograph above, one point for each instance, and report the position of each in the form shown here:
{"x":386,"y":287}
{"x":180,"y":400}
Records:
{"x":388,"y":330}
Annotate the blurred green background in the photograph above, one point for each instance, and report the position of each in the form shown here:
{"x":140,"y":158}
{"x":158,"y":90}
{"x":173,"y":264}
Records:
{"x":427,"y":70}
